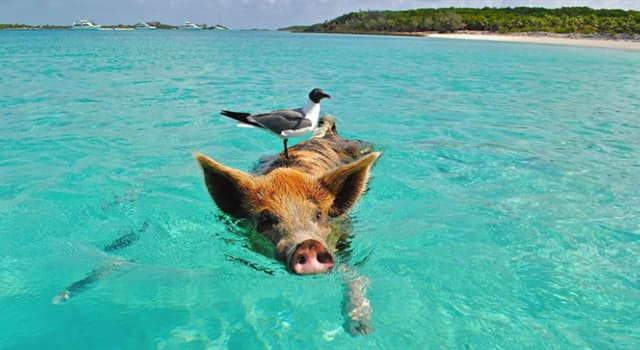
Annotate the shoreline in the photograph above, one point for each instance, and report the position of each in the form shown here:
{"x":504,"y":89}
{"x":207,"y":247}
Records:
{"x":542,"y":38}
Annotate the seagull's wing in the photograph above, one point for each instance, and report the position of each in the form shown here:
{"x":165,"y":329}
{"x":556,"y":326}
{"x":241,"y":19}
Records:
{"x":282,"y":120}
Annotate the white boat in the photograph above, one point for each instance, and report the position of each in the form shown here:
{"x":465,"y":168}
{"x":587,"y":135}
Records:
{"x":144,"y":26}
{"x":83,"y":24}
{"x":190,"y":26}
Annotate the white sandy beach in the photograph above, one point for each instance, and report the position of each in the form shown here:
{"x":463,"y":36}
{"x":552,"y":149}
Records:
{"x":603,"y":43}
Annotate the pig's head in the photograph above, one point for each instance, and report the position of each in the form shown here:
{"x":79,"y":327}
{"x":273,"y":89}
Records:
{"x":290,"y":208}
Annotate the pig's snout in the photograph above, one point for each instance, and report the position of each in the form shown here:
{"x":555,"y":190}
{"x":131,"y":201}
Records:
{"x":310,"y":257}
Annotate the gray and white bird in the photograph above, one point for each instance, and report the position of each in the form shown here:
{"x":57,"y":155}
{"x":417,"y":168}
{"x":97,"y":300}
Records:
{"x":284,"y":123}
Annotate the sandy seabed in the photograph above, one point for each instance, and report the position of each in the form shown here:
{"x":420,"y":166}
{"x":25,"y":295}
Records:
{"x":536,"y":39}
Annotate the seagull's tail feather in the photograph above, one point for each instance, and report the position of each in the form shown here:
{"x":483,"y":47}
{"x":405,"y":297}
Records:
{"x":241,"y":117}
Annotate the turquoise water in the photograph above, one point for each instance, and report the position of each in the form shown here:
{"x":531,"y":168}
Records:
{"x":504,"y":212}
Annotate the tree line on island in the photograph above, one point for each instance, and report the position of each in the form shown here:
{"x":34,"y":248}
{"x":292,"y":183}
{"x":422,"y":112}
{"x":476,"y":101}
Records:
{"x":581,"y":20}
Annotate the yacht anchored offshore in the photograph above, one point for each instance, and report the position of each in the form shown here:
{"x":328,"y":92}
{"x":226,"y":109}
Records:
{"x":190,"y":26}
{"x":144,"y":26}
{"x":84,"y":24}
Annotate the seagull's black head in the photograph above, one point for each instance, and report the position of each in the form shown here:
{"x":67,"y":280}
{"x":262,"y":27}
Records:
{"x":317,"y":94}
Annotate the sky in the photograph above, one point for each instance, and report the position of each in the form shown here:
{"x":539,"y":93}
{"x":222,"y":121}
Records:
{"x":242,"y":14}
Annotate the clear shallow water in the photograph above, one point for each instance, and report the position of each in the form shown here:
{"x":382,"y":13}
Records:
{"x":503,"y":214}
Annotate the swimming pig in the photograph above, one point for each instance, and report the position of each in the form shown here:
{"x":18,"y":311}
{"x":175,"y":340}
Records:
{"x":296,"y":203}
{"x":293,"y":201}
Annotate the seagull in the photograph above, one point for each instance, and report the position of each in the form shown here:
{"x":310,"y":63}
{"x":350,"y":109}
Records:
{"x":284,"y":123}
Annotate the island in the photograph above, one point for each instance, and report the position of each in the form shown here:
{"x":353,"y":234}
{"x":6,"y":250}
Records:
{"x":576,"y":20}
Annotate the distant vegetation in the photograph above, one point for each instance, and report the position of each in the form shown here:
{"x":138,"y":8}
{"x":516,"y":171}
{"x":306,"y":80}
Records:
{"x":582,"y":20}
{"x":294,"y":28}
{"x":27,"y":26}
{"x":162,"y":25}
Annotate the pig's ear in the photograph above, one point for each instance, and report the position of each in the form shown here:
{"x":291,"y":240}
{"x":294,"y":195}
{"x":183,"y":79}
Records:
{"x":347,"y":183}
{"x":228,"y":187}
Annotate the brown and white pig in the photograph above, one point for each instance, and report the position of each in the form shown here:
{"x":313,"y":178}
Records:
{"x":292,"y":201}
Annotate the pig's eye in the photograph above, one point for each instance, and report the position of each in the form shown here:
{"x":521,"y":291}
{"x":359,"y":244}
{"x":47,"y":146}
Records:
{"x":266,"y":221}
{"x":318,"y":215}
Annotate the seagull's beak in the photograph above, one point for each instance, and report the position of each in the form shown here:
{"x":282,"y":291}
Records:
{"x":326,"y":95}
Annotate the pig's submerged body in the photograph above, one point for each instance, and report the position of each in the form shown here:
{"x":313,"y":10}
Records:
{"x":294,"y":202}
{"x":297,"y":203}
